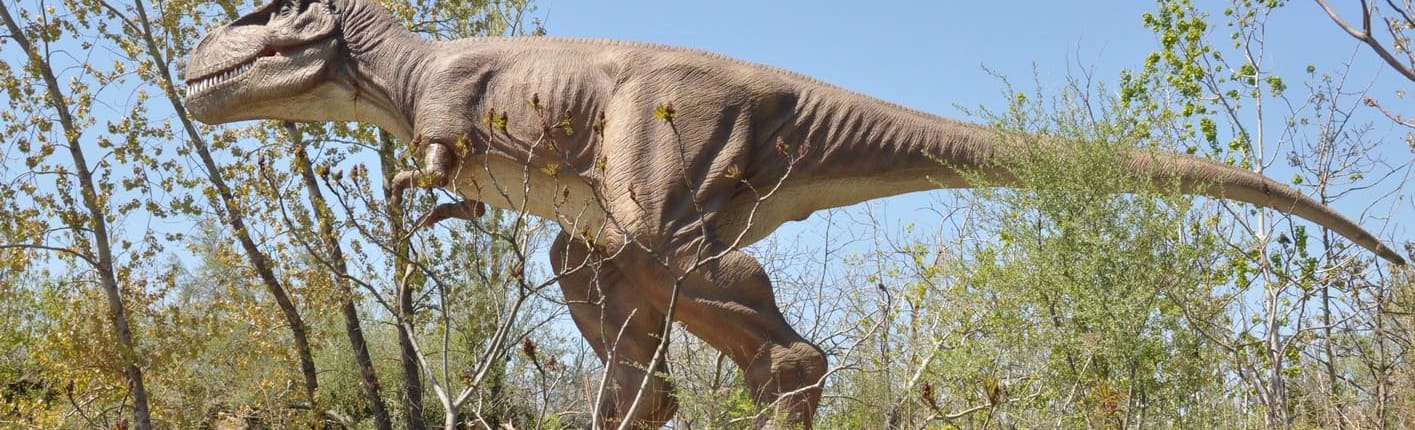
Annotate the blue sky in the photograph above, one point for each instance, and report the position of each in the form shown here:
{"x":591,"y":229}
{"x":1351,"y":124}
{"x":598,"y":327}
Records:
{"x":931,"y":55}
{"x":927,"y":55}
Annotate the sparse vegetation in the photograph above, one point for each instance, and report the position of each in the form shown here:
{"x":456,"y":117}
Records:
{"x":157,"y":273}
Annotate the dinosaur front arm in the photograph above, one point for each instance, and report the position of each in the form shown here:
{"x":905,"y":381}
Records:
{"x":440,"y":160}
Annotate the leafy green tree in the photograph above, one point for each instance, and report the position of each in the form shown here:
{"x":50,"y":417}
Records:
{"x":1284,"y":297}
{"x":92,"y":223}
{"x":73,"y":218}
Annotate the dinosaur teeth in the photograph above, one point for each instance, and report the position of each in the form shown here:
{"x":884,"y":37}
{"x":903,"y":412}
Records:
{"x":203,"y":84}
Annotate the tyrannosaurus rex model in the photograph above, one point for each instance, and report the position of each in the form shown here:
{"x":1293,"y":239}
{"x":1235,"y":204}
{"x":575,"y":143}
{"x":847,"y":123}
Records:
{"x":657,"y":162}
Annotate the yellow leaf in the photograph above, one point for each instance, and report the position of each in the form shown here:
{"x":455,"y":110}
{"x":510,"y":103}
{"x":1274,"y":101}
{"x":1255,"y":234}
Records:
{"x":733,"y":172}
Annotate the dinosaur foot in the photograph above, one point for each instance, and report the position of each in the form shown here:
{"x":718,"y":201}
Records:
{"x":465,"y":209}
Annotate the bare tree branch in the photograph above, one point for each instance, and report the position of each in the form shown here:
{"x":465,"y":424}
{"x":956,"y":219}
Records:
{"x":1364,"y":35}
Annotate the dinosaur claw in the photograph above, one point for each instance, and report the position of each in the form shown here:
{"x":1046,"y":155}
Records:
{"x":466,"y":209}
{"x":413,"y":179}
{"x":400,"y":184}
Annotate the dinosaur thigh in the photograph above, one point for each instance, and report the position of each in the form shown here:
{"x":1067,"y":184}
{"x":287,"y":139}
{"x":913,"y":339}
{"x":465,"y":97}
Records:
{"x":623,"y":326}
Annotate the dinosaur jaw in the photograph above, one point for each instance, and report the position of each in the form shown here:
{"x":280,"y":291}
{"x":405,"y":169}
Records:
{"x":273,"y":84}
{"x":252,"y":67}
{"x":206,"y":83}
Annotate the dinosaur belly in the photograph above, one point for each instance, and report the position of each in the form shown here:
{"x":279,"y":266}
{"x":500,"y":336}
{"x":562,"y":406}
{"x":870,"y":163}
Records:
{"x":561,"y":197}
{"x":748,"y":219}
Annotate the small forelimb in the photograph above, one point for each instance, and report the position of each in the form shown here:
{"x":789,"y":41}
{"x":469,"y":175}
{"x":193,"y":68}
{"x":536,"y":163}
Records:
{"x":439,"y":161}
{"x":466,"y":209}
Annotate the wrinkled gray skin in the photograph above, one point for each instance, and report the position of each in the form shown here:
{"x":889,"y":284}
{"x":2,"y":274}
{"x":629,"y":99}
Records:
{"x":630,"y":189}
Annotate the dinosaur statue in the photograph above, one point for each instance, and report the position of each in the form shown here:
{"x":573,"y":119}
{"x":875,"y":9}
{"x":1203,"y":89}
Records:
{"x":659,"y":164}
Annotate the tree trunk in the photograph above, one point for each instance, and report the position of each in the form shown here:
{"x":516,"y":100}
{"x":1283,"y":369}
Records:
{"x":368,"y":378}
{"x":103,"y":264}
{"x":412,"y":378}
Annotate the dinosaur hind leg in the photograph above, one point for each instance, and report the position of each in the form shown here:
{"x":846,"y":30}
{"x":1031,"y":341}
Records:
{"x":622,"y":327}
{"x":729,"y":303}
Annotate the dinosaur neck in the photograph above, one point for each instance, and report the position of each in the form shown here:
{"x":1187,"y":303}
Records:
{"x":387,"y":66}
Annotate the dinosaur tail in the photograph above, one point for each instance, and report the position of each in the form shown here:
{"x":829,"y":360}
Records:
{"x":1200,"y":176}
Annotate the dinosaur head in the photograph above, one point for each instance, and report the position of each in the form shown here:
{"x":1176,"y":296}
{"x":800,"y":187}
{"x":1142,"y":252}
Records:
{"x":274,"y":63}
